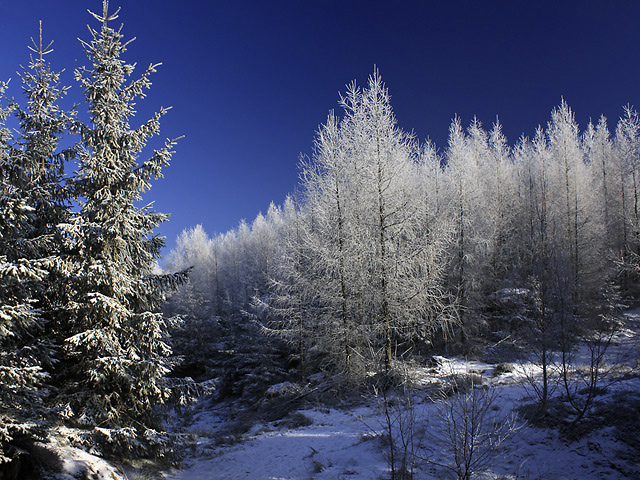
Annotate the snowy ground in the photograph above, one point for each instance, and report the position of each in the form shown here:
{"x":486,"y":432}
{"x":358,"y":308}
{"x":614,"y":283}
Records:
{"x":347,"y":443}
{"x":344,"y":444}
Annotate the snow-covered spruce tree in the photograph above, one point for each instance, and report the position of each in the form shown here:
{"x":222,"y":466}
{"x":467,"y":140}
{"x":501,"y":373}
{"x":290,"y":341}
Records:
{"x":33,"y":202}
{"x":20,"y":371}
{"x":116,"y":351}
{"x":43,"y":123}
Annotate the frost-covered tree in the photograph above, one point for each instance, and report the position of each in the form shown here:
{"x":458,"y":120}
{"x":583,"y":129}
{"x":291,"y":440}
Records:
{"x":433,"y":232}
{"x":478,"y":190}
{"x":580,"y":222}
{"x":567,"y":169}
{"x":330,"y":275}
{"x":387,"y":158}
{"x":115,"y":339}
{"x":194,"y":252}
{"x":290,"y":283}
{"x":265,"y":231}
{"x":625,"y":200}
{"x":466,"y":156}
{"x":500,"y":196}
{"x":331,"y":285}
{"x":412,"y":301}
{"x":627,"y":152}
{"x":372,"y":275}
{"x":599,"y":156}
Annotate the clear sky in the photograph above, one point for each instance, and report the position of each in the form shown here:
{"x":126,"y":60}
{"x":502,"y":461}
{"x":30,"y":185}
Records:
{"x":250,"y":81}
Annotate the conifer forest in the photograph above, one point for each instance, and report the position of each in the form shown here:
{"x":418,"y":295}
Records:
{"x":490,"y":282}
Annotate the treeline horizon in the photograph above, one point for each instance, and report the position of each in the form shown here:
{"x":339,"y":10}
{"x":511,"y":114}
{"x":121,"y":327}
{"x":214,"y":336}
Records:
{"x":388,"y":244}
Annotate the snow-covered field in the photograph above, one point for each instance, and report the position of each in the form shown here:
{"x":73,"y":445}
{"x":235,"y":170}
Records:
{"x":332,"y":446}
{"x":348,"y":442}
{"x":345,"y":444}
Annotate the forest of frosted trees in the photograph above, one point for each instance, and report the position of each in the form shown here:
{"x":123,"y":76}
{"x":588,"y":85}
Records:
{"x":391,"y":247}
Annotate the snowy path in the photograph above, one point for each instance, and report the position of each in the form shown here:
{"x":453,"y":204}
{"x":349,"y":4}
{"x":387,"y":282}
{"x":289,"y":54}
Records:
{"x":332,"y":447}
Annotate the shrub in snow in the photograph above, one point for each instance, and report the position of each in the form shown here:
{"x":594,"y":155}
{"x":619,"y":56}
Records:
{"x":295,"y":420}
{"x":284,"y":388}
{"x":502,"y":368}
{"x":472,"y":429}
{"x":456,"y":383}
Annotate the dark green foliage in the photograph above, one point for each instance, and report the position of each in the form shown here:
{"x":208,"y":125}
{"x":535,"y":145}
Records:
{"x":33,"y":201}
{"x":116,"y":351}
{"x":80,"y":323}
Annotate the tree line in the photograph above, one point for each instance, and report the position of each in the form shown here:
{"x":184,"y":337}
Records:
{"x":390,"y":246}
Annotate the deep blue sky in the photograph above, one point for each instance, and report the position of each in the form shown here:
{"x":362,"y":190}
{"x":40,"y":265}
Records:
{"x":250,"y":81}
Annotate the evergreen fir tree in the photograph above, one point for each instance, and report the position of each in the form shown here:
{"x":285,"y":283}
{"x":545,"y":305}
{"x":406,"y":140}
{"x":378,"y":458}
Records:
{"x":41,"y":163}
{"x":33,"y":203}
{"x":20,"y":371}
{"x":116,"y":348}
